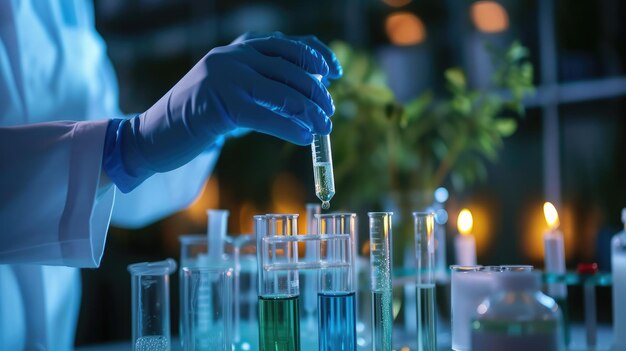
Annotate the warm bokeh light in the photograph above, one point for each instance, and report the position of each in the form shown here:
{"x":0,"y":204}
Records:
{"x":246,"y":212}
{"x":489,"y":17}
{"x":397,"y":3}
{"x":404,"y":28}
{"x":208,"y":198}
{"x":289,"y":196}
{"x":551,"y":215}
{"x":465,"y":222}
{"x":365,"y":248}
{"x":533,"y":224}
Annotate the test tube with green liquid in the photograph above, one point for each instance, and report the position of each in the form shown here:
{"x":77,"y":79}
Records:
{"x":279,"y":293}
{"x":380,"y":263}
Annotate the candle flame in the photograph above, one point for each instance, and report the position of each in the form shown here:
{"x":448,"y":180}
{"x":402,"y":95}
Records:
{"x":551,"y":215}
{"x":465,"y":222}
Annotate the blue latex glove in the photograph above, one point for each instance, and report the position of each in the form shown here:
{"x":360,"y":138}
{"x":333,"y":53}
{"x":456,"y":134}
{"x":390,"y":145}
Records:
{"x":264,"y":84}
{"x":335,"y":69}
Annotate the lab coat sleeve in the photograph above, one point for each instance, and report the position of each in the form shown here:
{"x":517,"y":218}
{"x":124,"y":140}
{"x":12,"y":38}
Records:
{"x":164,"y":193}
{"x":51,"y":209}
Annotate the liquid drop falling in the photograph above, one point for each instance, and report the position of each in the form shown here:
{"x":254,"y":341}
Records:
{"x":326,"y":205}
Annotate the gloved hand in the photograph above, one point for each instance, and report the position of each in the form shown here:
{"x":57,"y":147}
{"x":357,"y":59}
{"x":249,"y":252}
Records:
{"x":335,"y":71}
{"x":265,"y":84}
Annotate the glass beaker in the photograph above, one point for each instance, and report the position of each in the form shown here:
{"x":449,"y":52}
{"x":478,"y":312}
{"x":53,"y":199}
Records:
{"x":207,"y":308}
{"x":150,"y":289}
{"x":516,"y":316}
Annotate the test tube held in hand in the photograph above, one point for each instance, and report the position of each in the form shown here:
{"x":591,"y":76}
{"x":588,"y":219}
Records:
{"x":323,"y":167}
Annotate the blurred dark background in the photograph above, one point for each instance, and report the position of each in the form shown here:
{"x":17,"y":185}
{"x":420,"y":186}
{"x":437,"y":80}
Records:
{"x":569,"y":149}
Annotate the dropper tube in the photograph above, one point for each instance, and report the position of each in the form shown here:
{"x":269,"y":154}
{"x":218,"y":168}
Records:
{"x":337,"y":295}
{"x":323,"y":169}
{"x":279,"y":310}
{"x":380,"y":265}
{"x":323,"y":166}
{"x":424,"y":223}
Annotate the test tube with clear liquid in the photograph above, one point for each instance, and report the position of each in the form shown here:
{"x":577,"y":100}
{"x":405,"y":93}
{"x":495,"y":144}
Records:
{"x":279,"y":292}
{"x":425,"y":288}
{"x":380,"y":263}
{"x":337,"y":293}
{"x":323,"y":169}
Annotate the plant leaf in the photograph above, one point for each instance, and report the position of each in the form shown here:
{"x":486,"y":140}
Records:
{"x":506,"y":126}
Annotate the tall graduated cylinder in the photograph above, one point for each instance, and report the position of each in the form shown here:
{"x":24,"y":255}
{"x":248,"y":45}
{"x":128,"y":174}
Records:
{"x":380,"y":265}
{"x":279,"y":293}
{"x":337,"y":285}
{"x":424,"y":226}
{"x":150,"y":287}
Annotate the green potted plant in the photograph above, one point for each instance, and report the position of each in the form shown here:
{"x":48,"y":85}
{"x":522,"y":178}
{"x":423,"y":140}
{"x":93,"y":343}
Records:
{"x":383,"y":148}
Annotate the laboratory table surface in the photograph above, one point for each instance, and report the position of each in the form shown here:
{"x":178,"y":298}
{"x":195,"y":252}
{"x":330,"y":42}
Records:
{"x":578,"y":341}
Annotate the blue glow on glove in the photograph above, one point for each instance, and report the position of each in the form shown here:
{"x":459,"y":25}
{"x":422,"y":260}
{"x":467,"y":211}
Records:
{"x":263,"y":84}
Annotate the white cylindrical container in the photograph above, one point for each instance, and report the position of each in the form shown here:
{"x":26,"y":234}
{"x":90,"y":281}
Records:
{"x":618,"y":263}
{"x":470,"y":285}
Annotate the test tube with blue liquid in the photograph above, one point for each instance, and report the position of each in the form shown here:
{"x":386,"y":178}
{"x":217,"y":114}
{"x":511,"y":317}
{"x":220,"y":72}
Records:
{"x":337,"y":293}
{"x":424,"y":223}
{"x":380,"y":265}
{"x":279,"y":293}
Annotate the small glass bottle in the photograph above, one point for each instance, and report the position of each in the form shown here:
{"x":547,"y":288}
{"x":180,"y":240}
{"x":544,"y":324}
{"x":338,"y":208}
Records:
{"x":518,"y":316}
{"x":618,"y":263}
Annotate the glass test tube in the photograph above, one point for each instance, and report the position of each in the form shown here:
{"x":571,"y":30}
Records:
{"x":323,"y":169}
{"x":193,"y":253}
{"x":309,"y":290}
{"x":380,"y":265}
{"x":279,"y":309}
{"x":337,"y":295}
{"x":207,"y":331}
{"x":425,"y":288}
{"x":245,"y":296}
{"x":150,"y":289}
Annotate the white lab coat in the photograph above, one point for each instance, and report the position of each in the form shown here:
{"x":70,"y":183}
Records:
{"x":54,"y":214}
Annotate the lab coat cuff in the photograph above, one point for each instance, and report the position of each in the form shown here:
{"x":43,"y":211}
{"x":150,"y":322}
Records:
{"x":113,"y":159}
